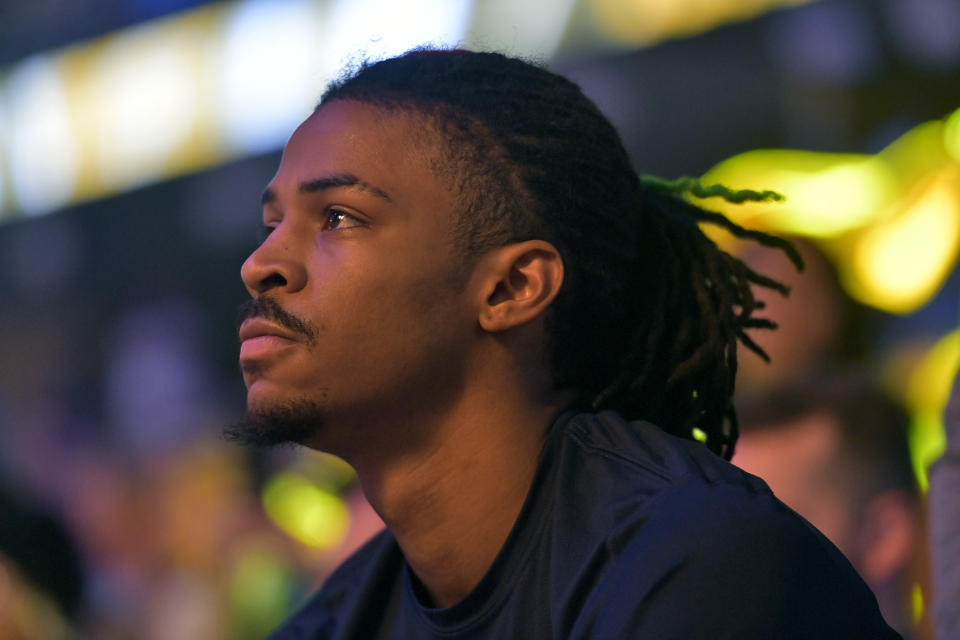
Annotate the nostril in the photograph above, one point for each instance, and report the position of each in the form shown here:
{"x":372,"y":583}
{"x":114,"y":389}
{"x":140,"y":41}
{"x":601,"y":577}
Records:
{"x":272,"y":281}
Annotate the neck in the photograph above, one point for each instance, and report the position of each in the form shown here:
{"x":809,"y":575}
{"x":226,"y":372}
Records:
{"x":453,"y":500}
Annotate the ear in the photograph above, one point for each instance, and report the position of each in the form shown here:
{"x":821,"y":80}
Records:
{"x":519,"y":281}
{"x":888,"y":531}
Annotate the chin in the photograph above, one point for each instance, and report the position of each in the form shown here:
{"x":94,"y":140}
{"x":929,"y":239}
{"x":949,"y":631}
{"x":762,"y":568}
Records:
{"x":277,"y":423}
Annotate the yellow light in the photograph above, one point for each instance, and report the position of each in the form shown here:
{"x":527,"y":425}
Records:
{"x":699,"y":434}
{"x":315,"y":517}
{"x":918,"y":153}
{"x":844,"y":196}
{"x":927,"y":396}
{"x":898,"y":264}
{"x":951,"y":135}
{"x":147,"y":102}
{"x":916,"y":602}
{"x":826,"y":194}
{"x":891,"y":221}
{"x":639,"y":22}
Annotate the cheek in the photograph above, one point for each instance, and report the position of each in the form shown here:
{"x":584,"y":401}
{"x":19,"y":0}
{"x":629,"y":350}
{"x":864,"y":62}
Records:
{"x":396,"y":287}
{"x":385,"y":299}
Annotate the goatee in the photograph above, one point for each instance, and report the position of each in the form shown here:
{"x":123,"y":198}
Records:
{"x":289,"y":424}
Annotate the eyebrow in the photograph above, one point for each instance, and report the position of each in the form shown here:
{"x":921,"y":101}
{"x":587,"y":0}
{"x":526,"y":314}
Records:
{"x":330,"y":182}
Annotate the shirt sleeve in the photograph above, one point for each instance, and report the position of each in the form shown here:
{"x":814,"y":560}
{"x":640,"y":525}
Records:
{"x":727,"y":561}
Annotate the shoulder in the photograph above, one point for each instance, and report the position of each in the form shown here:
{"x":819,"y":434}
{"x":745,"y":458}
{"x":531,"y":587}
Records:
{"x":728,"y":564}
{"x":632,"y":481}
{"x":367,"y":575}
{"x":649,"y":451}
{"x":642,"y":468}
{"x":695,"y":547}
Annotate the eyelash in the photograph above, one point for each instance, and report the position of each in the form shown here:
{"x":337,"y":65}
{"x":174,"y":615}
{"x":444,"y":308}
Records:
{"x":267,"y":230}
{"x":331,"y":213}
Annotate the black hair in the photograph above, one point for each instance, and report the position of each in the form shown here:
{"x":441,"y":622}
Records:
{"x":650,"y":310}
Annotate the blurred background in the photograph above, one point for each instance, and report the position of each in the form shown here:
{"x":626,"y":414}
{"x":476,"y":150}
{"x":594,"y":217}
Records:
{"x":137,"y":135}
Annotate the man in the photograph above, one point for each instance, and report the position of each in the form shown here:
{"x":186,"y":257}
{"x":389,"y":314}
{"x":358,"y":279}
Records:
{"x":819,"y":325}
{"x":465,"y":291}
{"x":834,"y":448}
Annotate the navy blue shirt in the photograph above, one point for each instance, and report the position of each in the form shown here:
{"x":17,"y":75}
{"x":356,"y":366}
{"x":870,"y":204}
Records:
{"x":627,"y":532}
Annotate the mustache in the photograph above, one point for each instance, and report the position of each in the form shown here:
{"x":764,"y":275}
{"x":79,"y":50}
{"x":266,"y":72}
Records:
{"x":268,"y":309}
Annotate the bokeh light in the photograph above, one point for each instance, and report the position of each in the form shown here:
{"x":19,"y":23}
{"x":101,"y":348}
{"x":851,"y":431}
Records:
{"x":4,"y":143}
{"x":536,"y":28}
{"x":890,"y":221}
{"x":42,"y":152}
{"x":639,"y":22}
{"x":903,"y":261}
{"x":147,"y":103}
{"x":315,"y":517}
{"x":272,"y":65}
{"x":927,"y":395}
{"x":260,"y":591}
{"x":826,"y":194}
{"x":377,"y":29}
{"x":951,"y":135}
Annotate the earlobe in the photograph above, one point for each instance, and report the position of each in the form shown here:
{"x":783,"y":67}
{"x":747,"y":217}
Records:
{"x":522,"y":281}
{"x":889,"y":530}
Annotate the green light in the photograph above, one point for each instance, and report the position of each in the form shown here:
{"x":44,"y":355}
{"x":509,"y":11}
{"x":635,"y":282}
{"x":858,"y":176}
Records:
{"x":826,"y":194}
{"x":260,"y":594}
{"x":315,"y":517}
{"x":890,"y":222}
{"x":699,"y":434}
{"x":927,"y":397}
{"x":951,"y":135}
{"x":916,"y":602}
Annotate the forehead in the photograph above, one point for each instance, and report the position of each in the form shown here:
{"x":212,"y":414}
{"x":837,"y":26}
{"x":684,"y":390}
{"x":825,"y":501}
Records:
{"x":395,"y":150}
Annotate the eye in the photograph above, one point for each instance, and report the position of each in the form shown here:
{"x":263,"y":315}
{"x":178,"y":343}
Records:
{"x":337,"y":220}
{"x":265,"y":231}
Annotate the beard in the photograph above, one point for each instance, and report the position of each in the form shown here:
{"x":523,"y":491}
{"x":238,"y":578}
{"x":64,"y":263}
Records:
{"x":288,"y":424}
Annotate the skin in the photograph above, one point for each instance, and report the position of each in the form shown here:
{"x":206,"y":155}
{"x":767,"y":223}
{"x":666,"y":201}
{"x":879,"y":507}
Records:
{"x":808,"y":320}
{"x":803,"y":463}
{"x":800,"y":464}
{"x":431,"y":383}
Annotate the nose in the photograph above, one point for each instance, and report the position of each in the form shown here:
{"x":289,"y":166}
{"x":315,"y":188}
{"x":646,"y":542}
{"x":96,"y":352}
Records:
{"x":275,"y":266}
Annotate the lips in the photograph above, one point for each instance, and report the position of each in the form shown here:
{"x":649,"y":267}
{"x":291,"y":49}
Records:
{"x":258,"y":328}
{"x":261,"y":338}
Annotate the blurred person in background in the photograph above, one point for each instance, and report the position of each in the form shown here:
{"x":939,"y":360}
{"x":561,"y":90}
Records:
{"x":834,"y":448}
{"x":466,"y":291}
{"x":178,"y":547}
{"x":819,"y":326}
{"x":41,"y":574}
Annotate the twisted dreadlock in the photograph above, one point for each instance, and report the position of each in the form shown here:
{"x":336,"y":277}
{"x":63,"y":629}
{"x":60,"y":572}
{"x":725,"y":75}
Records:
{"x":650,"y":311}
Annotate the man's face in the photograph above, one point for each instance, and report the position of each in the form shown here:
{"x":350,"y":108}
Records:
{"x":799,"y":460}
{"x":357,"y":316}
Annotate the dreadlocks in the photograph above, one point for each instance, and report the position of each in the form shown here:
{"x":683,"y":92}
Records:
{"x":650,"y":311}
